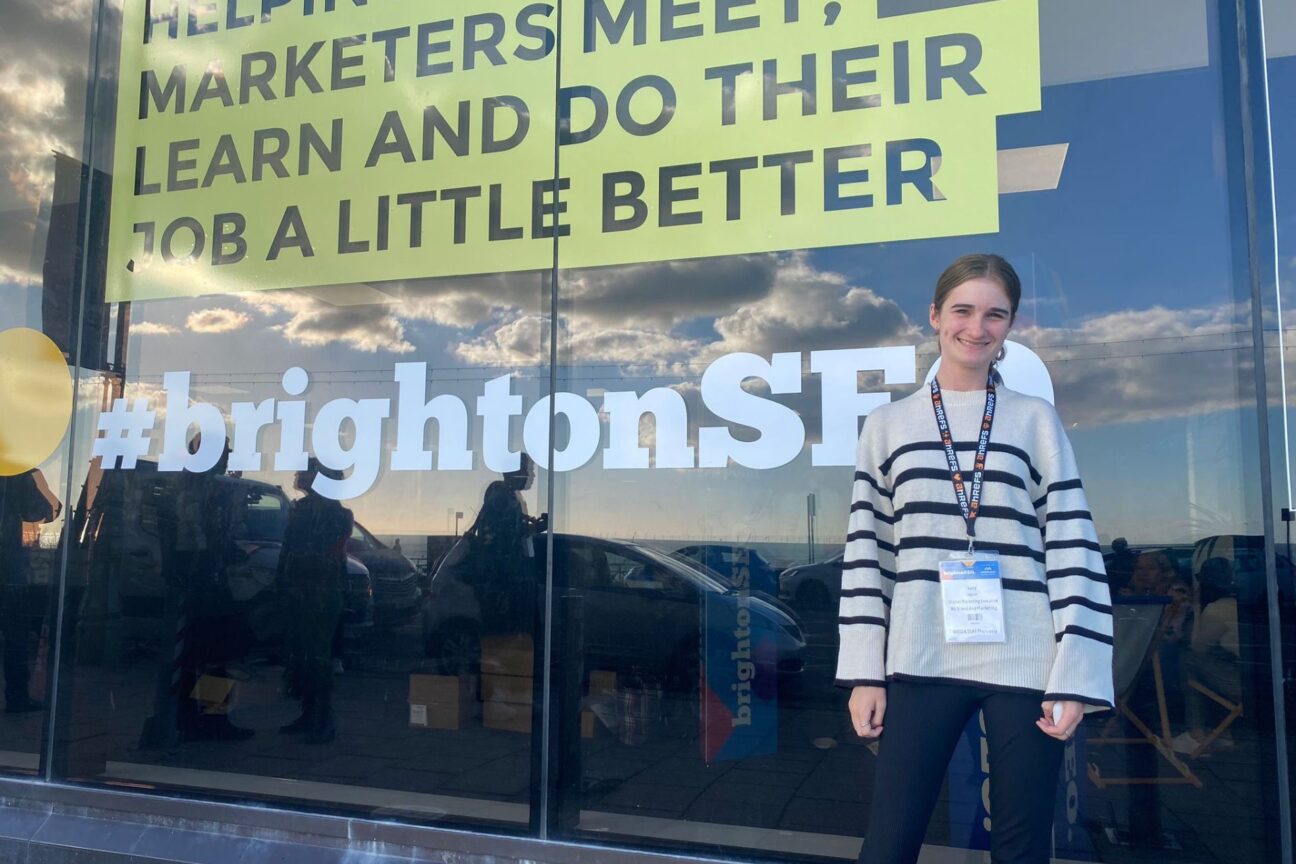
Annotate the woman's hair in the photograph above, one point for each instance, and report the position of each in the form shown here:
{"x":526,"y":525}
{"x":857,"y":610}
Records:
{"x":1216,"y":580}
{"x":314,"y":466}
{"x":979,"y":266}
{"x":517,"y":478}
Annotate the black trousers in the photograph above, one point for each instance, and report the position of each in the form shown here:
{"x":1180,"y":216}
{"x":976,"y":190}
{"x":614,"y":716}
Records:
{"x":922,"y":726}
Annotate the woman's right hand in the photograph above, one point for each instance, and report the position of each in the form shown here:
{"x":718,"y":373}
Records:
{"x":867,"y":708}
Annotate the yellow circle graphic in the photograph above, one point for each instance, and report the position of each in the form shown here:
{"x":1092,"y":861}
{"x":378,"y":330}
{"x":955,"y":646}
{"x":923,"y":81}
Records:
{"x":35,"y":399}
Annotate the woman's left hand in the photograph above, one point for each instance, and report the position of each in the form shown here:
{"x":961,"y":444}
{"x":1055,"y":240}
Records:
{"x":1064,"y":728}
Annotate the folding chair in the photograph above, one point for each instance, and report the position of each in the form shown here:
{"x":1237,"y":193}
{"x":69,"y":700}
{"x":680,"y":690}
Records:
{"x":1138,"y":625}
{"x":1234,"y":710}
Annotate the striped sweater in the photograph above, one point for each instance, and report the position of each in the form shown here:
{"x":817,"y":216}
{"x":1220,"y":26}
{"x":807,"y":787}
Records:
{"x":905,"y":519}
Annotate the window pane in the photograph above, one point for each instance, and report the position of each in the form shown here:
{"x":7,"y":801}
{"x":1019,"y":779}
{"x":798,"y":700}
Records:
{"x":45,"y":200}
{"x":733,"y":373}
{"x":315,"y":584}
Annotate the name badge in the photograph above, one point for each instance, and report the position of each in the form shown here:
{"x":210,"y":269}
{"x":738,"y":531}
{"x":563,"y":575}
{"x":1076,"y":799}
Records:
{"x":973,"y":598}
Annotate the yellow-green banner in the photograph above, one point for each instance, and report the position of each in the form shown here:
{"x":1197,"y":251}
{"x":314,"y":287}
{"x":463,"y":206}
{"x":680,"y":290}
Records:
{"x":287,"y":143}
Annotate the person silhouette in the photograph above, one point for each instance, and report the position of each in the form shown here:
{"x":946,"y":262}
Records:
{"x":202,"y":550}
{"x":501,"y":553}
{"x":24,"y":499}
{"x":312,"y":579}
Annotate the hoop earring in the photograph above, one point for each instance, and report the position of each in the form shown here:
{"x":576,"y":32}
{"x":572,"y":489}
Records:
{"x":1003,"y":352}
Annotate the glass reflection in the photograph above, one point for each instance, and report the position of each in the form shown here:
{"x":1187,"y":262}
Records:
{"x":264,"y":623}
{"x":1144,"y":345}
{"x":45,"y":197}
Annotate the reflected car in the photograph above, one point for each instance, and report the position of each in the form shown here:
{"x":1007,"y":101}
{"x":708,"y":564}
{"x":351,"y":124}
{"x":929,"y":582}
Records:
{"x":813,"y":587}
{"x":119,"y":538}
{"x":641,"y":608}
{"x":721,"y":558}
{"x":396,"y":592}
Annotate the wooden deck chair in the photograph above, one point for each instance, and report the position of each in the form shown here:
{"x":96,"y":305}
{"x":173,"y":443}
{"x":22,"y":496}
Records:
{"x":1138,"y":625}
{"x":1234,"y":710}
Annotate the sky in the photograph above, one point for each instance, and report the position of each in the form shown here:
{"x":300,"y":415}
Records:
{"x":1130,"y":298}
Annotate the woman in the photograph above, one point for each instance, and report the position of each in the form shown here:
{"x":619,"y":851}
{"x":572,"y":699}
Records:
{"x":953,"y":600}
{"x":503,"y":554}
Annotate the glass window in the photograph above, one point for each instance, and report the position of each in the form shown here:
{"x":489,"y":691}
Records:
{"x":1131,"y":322}
{"x":313,"y":584}
{"x":46,"y":194}
{"x":1280,"y":49}
{"x":422,"y":383}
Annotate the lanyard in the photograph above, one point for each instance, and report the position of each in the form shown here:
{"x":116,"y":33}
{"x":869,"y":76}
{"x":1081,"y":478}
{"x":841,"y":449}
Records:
{"x":969,"y":502}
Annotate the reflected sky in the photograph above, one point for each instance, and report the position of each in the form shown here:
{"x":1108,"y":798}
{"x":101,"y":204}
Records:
{"x":1128,"y":297}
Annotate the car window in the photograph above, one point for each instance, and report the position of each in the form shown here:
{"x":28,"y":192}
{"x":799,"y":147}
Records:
{"x":649,"y":575}
{"x":265,"y":517}
{"x":587,"y":567}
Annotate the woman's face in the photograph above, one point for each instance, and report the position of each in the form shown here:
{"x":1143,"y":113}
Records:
{"x":973,"y":323}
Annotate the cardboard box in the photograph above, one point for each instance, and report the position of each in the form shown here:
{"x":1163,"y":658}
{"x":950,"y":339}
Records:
{"x":506,"y":716}
{"x":508,"y":655}
{"x":602,"y":682}
{"x":513,"y":689}
{"x":441,"y":701}
{"x":214,"y":694}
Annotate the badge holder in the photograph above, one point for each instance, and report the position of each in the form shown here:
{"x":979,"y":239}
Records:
{"x":972,"y":597}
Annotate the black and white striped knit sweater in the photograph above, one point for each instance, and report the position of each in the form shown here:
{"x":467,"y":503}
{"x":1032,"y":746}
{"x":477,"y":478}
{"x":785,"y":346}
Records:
{"x":905,"y":519}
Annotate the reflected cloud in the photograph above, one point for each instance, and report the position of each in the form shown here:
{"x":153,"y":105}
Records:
{"x":1147,"y":364}
{"x":667,"y":293}
{"x":152,"y":328}
{"x":514,"y":343}
{"x":314,"y":323}
{"x":43,"y":52}
{"x":217,"y":320}
{"x":807,"y":309}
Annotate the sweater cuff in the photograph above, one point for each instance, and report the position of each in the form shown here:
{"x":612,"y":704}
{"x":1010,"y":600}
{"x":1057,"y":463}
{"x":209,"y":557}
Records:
{"x":851,"y":683}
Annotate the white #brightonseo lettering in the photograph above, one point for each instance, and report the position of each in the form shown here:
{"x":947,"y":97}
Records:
{"x":781,"y":434}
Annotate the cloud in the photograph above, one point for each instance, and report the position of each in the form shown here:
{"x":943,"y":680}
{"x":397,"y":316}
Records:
{"x":1148,"y":364}
{"x":217,"y":320}
{"x":43,"y":54}
{"x":516,"y":343}
{"x":152,"y":328}
{"x":806,"y":309}
{"x":666,"y":293}
{"x":369,"y":328}
{"x":373,"y":318}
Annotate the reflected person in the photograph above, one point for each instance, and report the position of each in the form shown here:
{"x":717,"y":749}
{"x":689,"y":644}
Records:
{"x":25,"y":499}
{"x":312,"y":579}
{"x":502,"y":554}
{"x":202,"y":551}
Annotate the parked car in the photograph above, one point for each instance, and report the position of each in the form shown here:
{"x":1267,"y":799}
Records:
{"x":396,"y":592}
{"x":118,"y":535}
{"x":641,"y":609}
{"x":813,"y":587}
{"x":721,"y":558}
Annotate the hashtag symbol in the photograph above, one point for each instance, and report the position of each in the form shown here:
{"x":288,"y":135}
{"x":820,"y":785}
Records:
{"x":125,"y":433}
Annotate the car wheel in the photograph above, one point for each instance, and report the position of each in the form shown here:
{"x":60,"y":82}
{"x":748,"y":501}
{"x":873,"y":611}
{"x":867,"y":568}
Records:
{"x":456,"y":647}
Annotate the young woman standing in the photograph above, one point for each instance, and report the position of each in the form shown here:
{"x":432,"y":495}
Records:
{"x":972,"y":580}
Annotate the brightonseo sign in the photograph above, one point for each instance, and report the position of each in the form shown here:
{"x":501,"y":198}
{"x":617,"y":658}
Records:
{"x":397,"y":429}
{"x":265,"y":144}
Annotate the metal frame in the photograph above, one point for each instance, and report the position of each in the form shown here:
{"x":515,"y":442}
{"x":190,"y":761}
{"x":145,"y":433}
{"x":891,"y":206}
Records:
{"x":128,"y":823}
